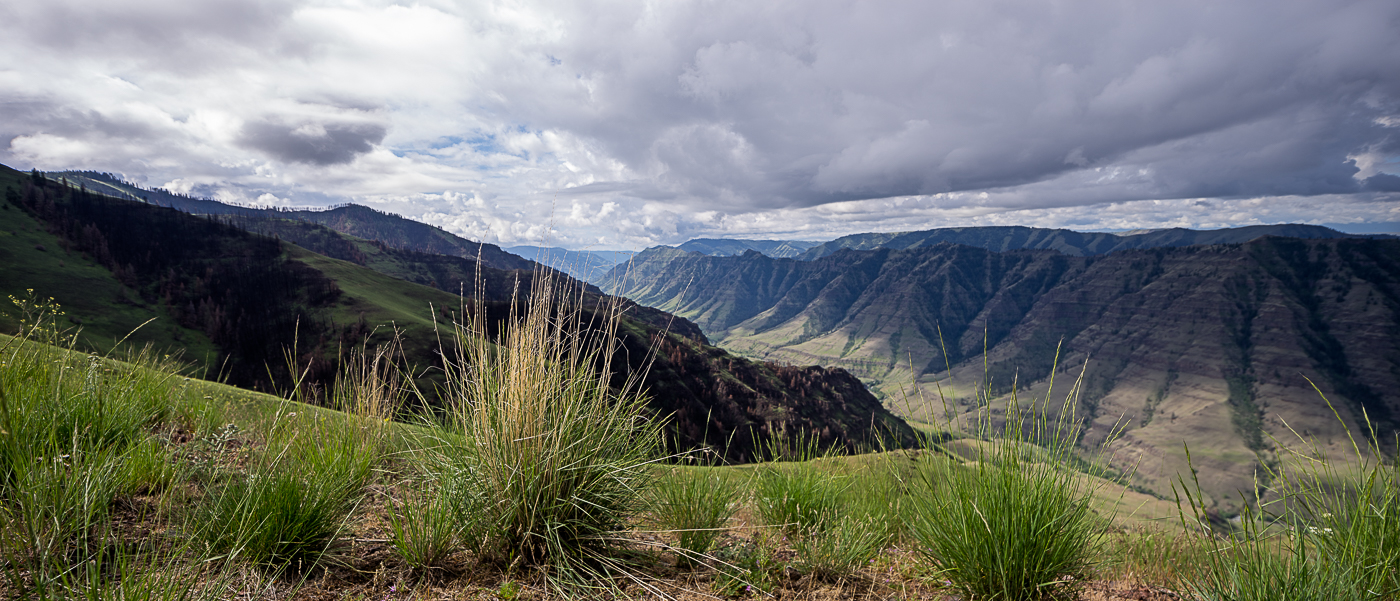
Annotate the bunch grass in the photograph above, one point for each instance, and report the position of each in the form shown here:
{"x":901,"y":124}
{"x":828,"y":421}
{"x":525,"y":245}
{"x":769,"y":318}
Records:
{"x":289,"y":508}
{"x":425,"y":528}
{"x":1014,"y":522}
{"x":291,"y":505}
{"x":552,"y":461}
{"x":1263,"y":560}
{"x":1348,"y":509}
{"x":75,"y":429}
{"x":840,"y":548}
{"x":695,"y":504}
{"x":792,"y":493}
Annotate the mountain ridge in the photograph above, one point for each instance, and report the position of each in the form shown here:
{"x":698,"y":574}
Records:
{"x":356,"y":220}
{"x":1207,"y":343}
{"x":1071,"y":242}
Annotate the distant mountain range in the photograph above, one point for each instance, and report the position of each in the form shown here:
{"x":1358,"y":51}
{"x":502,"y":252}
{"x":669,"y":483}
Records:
{"x":1203,"y":337}
{"x":239,"y":290}
{"x":1212,"y":345}
{"x":588,"y":265}
{"x":716,"y":247}
{"x":1069,"y":242}
{"x":592,"y":266}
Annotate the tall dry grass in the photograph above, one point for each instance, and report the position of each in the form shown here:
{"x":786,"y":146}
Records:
{"x":551,"y":461}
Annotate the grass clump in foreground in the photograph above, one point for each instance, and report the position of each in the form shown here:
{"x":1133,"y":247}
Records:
{"x":77,"y":432}
{"x":835,"y":525}
{"x":1015,"y":523}
{"x":695,"y":504}
{"x":551,"y":457}
{"x":289,"y":507}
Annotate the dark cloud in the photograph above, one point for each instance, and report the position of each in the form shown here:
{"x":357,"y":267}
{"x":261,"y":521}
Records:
{"x":171,"y":35}
{"x":837,"y":100}
{"x":1383,"y":182}
{"x":311,"y":142}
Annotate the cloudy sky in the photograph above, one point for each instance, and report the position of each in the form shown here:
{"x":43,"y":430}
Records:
{"x":622,"y":124}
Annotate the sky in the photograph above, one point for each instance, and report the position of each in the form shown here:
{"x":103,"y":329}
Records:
{"x":625,"y":124}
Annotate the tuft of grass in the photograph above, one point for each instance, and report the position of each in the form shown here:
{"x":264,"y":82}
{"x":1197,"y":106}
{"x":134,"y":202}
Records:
{"x":1263,"y":560}
{"x":797,"y":497}
{"x":1008,"y":528}
{"x":695,"y":504}
{"x":425,"y":528}
{"x":289,"y":508}
{"x":792,"y":493}
{"x":837,"y":518}
{"x":74,"y":427}
{"x":554,"y":453}
{"x":54,"y":505}
{"x":1014,"y":523}
{"x":1255,"y":568}
{"x":293,"y":503}
{"x":842,"y":547}
{"x":1349,"y":509}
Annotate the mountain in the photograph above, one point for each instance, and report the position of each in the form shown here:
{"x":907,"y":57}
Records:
{"x":588,"y":265}
{"x":1069,"y":242}
{"x":1210,"y":345}
{"x":722,"y":248}
{"x":355,"y":220}
{"x":593,"y":266}
{"x":240,"y":302}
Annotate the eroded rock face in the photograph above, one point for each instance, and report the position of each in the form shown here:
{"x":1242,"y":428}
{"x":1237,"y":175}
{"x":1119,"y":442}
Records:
{"x":1216,"y":347}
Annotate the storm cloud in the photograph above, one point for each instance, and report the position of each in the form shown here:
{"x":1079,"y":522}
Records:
{"x":636,"y":123}
{"x":312,"y":143}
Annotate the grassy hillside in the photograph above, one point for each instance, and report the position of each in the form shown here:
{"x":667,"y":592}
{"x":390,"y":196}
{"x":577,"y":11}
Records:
{"x":193,"y":490}
{"x":103,"y":308}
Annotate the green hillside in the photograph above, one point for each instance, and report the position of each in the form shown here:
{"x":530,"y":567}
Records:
{"x":103,"y":309}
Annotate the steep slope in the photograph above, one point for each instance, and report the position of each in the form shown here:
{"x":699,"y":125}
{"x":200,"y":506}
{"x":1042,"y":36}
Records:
{"x":1208,"y":345}
{"x":255,"y":298}
{"x":1079,"y":244}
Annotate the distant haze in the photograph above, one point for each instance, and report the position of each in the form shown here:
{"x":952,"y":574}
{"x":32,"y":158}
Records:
{"x":625,"y":124}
